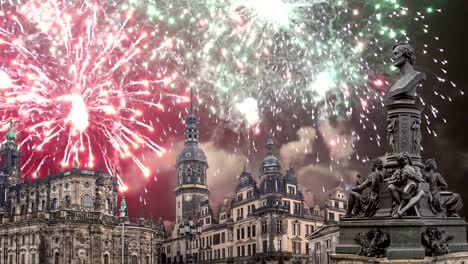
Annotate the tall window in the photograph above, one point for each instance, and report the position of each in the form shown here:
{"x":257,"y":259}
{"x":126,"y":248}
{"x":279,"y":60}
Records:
{"x":33,"y":258}
{"x":264,"y":227}
{"x":296,"y":228}
{"x":56,"y":258}
{"x":254,"y":230}
{"x":147,"y":259}
{"x":279,"y":226}
{"x":106,"y":259}
{"x":134,"y":259}
{"x":67,"y":201}
{"x":86,"y":201}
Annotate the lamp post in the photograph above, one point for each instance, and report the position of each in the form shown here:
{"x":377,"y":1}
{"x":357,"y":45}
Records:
{"x":190,"y":230}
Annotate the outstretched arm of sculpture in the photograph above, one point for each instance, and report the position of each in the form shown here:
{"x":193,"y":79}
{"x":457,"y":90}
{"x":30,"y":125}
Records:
{"x":362,"y":186}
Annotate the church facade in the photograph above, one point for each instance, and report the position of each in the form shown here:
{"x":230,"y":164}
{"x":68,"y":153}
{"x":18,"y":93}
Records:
{"x":265,"y":221}
{"x":68,"y":218}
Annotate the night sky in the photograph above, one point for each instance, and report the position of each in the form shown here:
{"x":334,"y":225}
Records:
{"x":449,"y":148}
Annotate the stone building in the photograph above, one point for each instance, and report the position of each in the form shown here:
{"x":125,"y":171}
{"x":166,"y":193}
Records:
{"x":323,"y":243}
{"x":266,"y":221}
{"x":68,"y":218}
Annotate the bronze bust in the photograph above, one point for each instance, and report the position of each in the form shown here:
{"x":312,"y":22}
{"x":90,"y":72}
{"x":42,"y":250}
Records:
{"x":403,"y":58}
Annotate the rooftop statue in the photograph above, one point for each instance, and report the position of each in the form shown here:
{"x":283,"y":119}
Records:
{"x":404,"y":58}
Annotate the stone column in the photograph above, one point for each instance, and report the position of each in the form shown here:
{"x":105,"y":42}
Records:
{"x":403,"y":131}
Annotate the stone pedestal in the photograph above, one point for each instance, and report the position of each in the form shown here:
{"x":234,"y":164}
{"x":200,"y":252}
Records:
{"x":403,"y":130}
{"x":460,"y":257}
{"x":405,"y":235}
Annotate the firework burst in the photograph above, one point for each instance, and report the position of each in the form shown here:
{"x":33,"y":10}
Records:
{"x":89,"y":80}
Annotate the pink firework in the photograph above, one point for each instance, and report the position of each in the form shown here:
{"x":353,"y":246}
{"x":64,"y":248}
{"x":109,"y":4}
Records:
{"x":78,"y":83}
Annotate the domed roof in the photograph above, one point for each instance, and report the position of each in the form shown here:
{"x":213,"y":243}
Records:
{"x":191,"y":152}
{"x":245,"y":180}
{"x":270,"y":162}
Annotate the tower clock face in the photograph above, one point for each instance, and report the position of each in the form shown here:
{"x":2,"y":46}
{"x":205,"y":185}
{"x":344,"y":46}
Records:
{"x":188,"y":197}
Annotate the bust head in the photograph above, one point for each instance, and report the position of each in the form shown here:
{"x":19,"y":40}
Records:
{"x":402,"y":53}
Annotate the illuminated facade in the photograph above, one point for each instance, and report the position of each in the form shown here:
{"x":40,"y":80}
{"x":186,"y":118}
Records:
{"x":266,"y":221}
{"x":68,"y":218}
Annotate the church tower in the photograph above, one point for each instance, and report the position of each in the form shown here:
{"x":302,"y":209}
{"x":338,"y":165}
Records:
{"x":10,"y":157}
{"x":191,"y":174}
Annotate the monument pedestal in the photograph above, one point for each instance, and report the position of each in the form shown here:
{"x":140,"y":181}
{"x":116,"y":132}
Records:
{"x":403,"y":130}
{"x":354,"y":259}
{"x":405,"y":234}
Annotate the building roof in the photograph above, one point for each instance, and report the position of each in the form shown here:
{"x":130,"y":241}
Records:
{"x":270,"y":162}
{"x":324,"y":230}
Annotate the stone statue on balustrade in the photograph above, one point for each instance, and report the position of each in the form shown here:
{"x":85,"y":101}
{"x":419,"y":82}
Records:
{"x":403,"y":186}
{"x":404,"y":58}
{"x":364,"y":198}
{"x":442,"y":202}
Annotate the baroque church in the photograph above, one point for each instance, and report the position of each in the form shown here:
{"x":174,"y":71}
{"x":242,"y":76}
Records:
{"x":68,"y":218}
{"x":265,"y":221}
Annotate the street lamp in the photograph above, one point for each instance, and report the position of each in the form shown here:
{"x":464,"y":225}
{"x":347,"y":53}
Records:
{"x":190,"y":230}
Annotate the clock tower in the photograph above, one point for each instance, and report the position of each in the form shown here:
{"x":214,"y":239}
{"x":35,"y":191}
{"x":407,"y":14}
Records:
{"x":191,"y":168}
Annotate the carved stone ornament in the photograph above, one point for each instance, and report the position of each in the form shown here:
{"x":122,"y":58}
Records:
{"x":373,"y":243}
{"x":435,"y":241}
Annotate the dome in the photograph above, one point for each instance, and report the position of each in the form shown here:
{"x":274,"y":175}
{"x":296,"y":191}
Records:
{"x":191,"y":152}
{"x":270,"y":162}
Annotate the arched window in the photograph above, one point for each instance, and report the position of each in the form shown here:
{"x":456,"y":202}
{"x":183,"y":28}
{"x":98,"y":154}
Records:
{"x":134,"y":259}
{"x":67,"y":201}
{"x":33,"y":258}
{"x":147,"y":259}
{"x":86,"y":201}
{"x":109,"y":206}
{"x":53,"y":204}
{"x":106,"y":259}
{"x":43,"y":205}
{"x":56,"y":258}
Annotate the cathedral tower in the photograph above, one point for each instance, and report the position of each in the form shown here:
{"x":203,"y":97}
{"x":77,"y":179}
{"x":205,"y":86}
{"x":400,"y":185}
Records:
{"x":191,"y":174}
{"x":10,"y":157}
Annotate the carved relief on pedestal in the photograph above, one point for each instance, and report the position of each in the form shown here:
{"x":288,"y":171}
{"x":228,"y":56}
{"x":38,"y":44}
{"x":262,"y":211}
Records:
{"x":392,"y":130}
{"x":435,"y":241}
{"x":416,"y":137}
{"x":373,"y":243}
{"x":405,"y":131}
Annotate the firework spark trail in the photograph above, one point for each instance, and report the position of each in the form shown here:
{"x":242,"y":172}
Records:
{"x":92,"y":75}
{"x":68,"y":68}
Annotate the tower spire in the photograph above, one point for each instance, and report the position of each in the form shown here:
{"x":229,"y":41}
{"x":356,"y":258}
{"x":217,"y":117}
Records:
{"x":191,"y":130}
{"x":191,"y":101}
{"x":11,"y":135}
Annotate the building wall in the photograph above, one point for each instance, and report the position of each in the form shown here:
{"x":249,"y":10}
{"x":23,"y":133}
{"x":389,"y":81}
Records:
{"x":323,"y":246}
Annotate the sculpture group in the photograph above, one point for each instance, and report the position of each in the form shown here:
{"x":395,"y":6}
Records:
{"x":403,"y":185}
{"x":403,"y":179}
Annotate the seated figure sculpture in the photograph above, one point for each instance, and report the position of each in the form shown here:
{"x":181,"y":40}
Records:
{"x":442,"y":202}
{"x":363,"y":203}
{"x":403,"y":186}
